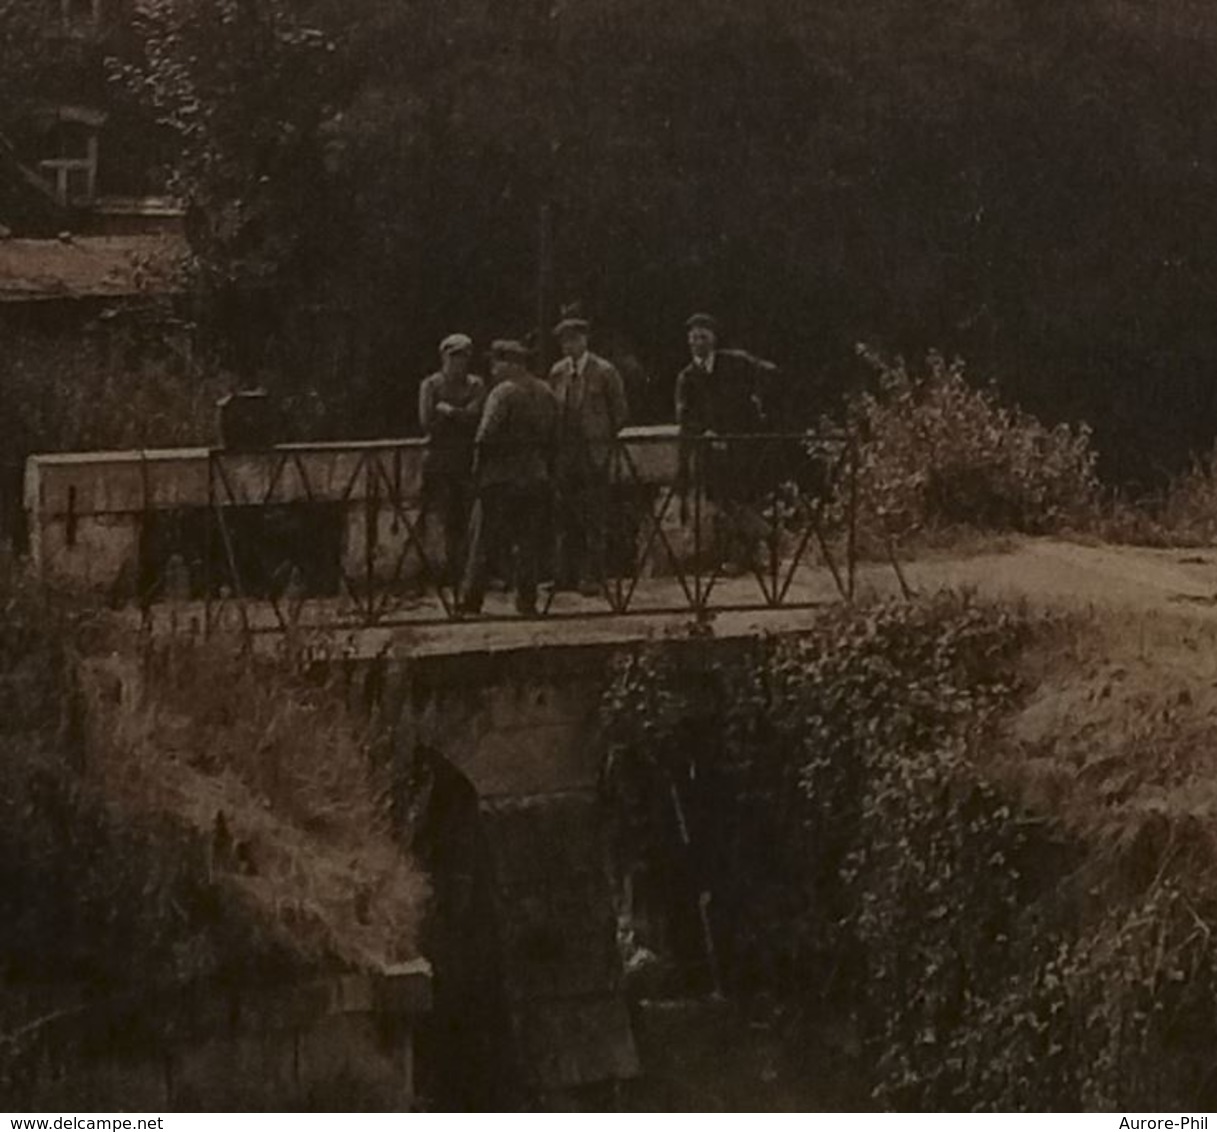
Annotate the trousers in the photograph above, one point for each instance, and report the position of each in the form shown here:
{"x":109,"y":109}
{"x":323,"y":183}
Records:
{"x":583,"y":529}
{"x":509,"y":520}
{"x":448,"y":499}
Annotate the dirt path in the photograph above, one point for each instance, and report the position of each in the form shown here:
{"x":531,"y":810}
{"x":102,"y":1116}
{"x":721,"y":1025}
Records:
{"x":1051,"y":572}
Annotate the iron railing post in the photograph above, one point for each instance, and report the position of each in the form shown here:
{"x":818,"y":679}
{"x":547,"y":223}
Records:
{"x":697,"y":479}
{"x":852,"y":531}
{"x":208,"y":546}
{"x":143,"y":557}
{"x":371,"y":535}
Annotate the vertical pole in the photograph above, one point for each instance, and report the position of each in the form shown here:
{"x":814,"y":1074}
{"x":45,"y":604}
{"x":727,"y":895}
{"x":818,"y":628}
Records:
{"x":208,"y":544}
{"x":775,"y":528}
{"x":407,"y":1067}
{"x":852,"y":535}
{"x":614,"y":584}
{"x":371,"y":537}
{"x":696,"y":478}
{"x":146,"y":577}
{"x":545,"y":284}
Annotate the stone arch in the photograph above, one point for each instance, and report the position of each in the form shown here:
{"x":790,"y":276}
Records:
{"x":462,"y":1045}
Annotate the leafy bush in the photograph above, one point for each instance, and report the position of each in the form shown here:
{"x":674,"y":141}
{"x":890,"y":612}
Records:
{"x":831,"y":797}
{"x":936,"y":450}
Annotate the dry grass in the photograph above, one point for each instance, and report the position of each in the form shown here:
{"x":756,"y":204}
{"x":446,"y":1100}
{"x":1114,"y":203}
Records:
{"x":1119,"y":741}
{"x":282,"y":777}
{"x":956,"y":541}
{"x":1185,"y":514}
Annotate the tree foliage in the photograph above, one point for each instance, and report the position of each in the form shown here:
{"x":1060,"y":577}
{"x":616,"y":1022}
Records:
{"x":246,"y":88}
{"x":1027,"y":184}
{"x":26,"y":63}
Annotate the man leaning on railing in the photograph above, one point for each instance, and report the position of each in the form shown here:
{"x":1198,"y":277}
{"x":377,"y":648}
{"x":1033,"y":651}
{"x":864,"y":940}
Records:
{"x":721,"y":402}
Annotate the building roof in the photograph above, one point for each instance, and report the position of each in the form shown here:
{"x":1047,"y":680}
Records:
{"x":83,"y":267}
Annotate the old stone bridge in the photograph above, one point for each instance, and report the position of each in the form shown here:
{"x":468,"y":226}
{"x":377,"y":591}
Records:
{"x":324,"y":548}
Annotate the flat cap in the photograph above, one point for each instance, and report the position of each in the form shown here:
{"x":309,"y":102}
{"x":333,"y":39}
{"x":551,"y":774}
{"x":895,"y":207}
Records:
{"x":456,"y":344}
{"x":702,"y":321}
{"x":572,"y":324}
{"x":509,"y":350}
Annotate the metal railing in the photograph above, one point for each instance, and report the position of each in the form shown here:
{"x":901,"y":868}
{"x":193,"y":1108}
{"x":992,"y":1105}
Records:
{"x":363,"y":548}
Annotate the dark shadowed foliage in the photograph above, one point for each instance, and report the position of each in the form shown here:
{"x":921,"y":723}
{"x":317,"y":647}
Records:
{"x":1026,"y":184}
{"x":866,"y":848}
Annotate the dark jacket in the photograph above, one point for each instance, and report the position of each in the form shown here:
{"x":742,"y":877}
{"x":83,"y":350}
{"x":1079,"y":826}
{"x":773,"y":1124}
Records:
{"x":518,"y":433}
{"x":730,"y":399}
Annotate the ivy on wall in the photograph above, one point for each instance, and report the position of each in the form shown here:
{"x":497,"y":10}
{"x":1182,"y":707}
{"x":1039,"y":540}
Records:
{"x":825,"y":801}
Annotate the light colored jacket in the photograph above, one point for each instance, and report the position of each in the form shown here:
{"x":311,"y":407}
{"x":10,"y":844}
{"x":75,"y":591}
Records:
{"x":593,"y":408}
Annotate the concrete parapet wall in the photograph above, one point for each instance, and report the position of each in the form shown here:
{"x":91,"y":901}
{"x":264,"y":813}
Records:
{"x":89,"y":513}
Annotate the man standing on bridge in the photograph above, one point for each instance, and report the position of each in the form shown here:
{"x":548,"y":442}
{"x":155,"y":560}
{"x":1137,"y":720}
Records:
{"x":725,"y":394}
{"x":513,"y":468}
{"x":449,"y":409}
{"x":591,"y":395}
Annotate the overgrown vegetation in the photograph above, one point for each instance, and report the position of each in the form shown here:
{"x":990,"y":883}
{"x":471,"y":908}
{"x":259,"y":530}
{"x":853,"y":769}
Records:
{"x":1183,"y":513}
{"x":870,"y":845}
{"x":68,"y":399}
{"x":938,"y":451}
{"x":94,"y":903}
{"x":281,"y":768}
{"x":211,"y":819}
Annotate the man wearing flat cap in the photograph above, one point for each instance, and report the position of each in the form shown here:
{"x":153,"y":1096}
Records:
{"x":449,"y":408}
{"x":591,"y":396}
{"x":725,"y":393}
{"x":513,"y":469}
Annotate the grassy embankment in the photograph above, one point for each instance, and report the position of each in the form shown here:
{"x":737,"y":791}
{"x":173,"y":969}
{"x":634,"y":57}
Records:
{"x":191,"y":817}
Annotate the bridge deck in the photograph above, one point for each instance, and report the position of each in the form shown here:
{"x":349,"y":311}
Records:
{"x":420,"y":628}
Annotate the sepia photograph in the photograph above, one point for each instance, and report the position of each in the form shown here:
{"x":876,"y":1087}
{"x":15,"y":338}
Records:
{"x":608,"y":556}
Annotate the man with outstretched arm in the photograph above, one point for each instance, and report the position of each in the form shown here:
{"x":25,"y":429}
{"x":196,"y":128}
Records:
{"x":725,"y":393}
